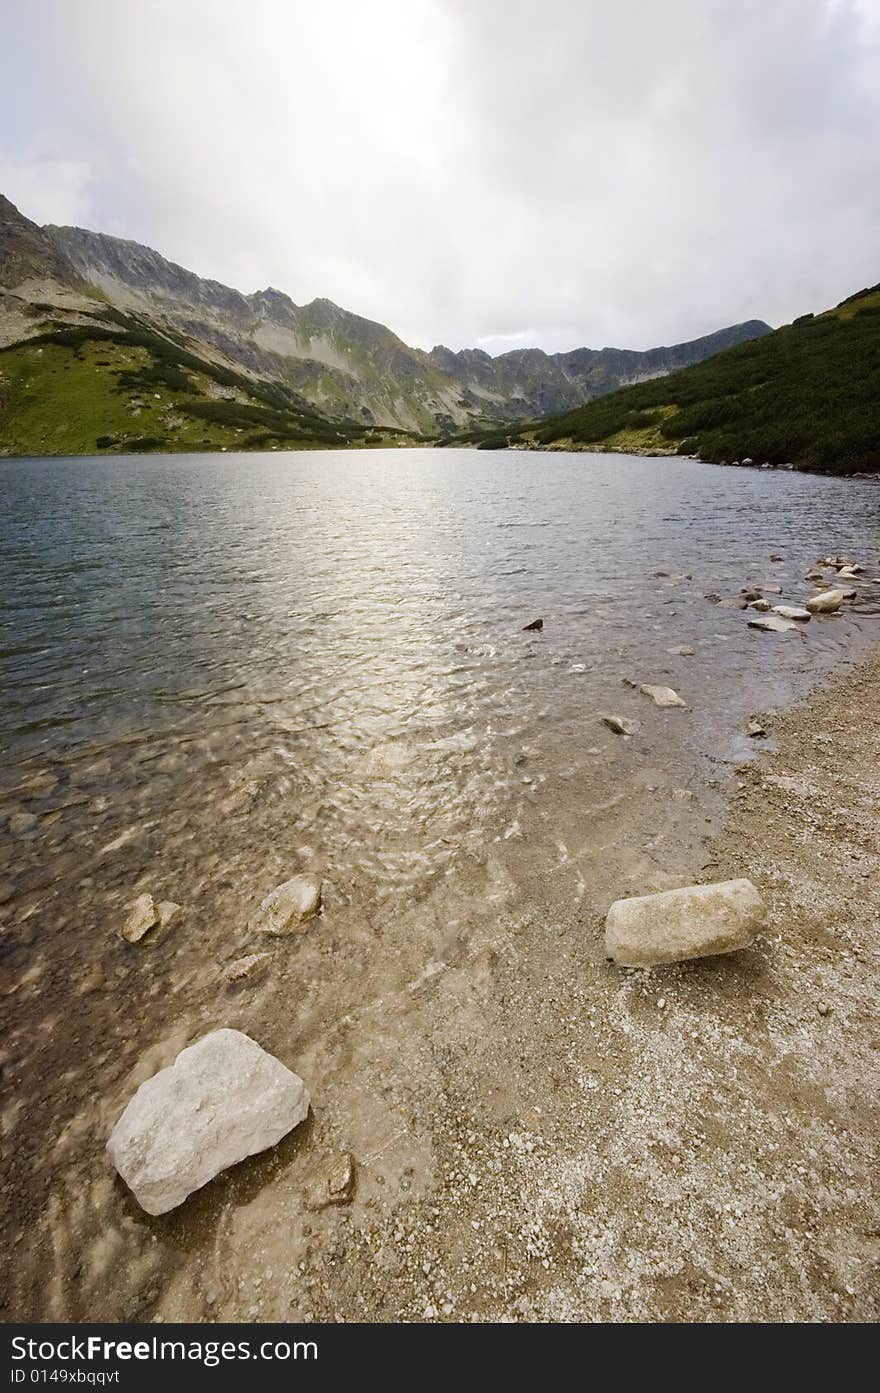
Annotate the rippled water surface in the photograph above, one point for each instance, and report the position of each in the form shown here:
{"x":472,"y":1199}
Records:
{"x":333,"y":642}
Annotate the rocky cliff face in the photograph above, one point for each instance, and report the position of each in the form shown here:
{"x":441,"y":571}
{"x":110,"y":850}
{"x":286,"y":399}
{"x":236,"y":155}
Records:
{"x":345,"y":365}
{"x":29,"y":253}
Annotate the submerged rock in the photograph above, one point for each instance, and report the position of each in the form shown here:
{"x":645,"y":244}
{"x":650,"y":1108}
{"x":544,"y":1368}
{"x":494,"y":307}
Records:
{"x":826,"y":602}
{"x":792,"y":612}
{"x":334,"y":1183}
{"x":288,"y":906}
{"x":166,"y":910}
{"x":142,"y":916}
{"x":676,"y":925}
{"x":535,"y":627}
{"x":249,"y":969}
{"x":223,"y":1099}
{"x":661,"y":696}
{"x":682,"y":650}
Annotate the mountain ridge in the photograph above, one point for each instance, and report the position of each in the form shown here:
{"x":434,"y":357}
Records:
{"x":351,"y":366}
{"x":336,"y":365}
{"x":806,"y":397}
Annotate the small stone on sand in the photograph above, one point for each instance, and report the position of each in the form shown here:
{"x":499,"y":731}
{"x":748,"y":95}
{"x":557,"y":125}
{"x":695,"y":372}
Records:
{"x":661,"y":696}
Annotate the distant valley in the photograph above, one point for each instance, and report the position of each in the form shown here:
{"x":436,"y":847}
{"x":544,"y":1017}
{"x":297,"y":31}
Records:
{"x":107,"y":346}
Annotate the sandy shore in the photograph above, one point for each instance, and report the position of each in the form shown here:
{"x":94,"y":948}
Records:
{"x":697,"y":1143}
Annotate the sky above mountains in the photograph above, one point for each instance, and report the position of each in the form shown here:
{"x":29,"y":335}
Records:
{"x":501,"y":173}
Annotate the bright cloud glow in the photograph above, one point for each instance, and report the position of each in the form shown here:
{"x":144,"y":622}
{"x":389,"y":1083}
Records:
{"x":498,"y":172}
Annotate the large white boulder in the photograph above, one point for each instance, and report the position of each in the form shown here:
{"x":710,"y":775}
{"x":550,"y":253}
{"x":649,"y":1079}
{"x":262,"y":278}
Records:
{"x":223,"y":1099}
{"x":288,"y":906}
{"x":695,"y":922}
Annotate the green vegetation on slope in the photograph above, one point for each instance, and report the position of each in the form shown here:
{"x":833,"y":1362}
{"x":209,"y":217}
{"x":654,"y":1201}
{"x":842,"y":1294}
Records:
{"x":808,"y":394}
{"x":119,"y":386}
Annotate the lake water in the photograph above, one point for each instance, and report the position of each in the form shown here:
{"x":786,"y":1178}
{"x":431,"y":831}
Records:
{"x":218,"y":670}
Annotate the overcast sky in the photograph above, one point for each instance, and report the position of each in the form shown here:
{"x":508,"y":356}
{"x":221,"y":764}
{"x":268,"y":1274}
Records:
{"x":492,"y":172}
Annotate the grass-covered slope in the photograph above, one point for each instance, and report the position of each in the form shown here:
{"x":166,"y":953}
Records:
{"x":808,"y":394}
{"x":117,"y":384}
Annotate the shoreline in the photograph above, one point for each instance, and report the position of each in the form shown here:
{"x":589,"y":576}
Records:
{"x":556,"y":448}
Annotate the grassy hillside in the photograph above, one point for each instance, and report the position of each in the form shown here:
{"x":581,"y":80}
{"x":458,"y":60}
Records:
{"x":808,"y":394}
{"x":118,"y":385}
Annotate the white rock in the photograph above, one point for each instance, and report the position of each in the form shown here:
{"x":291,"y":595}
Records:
{"x":792,"y":612}
{"x":661,"y":696}
{"x":773,"y":624}
{"x":142,"y":916}
{"x":762,"y":605}
{"x":288,"y":906}
{"x":223,"y":1099}
{"x":683,"y":650}
{"x":675,"y":925}
{"x":826,"y":602}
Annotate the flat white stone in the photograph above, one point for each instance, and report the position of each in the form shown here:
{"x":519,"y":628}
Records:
{"x":223,"y":1099}
{"x":792,"y":612}
{"x":773,"y":624}
{"x":696,"y":922}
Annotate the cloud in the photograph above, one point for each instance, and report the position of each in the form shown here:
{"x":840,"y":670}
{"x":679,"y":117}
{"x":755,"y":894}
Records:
{"x":46,"y":189}
{"x":558,"y":172}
